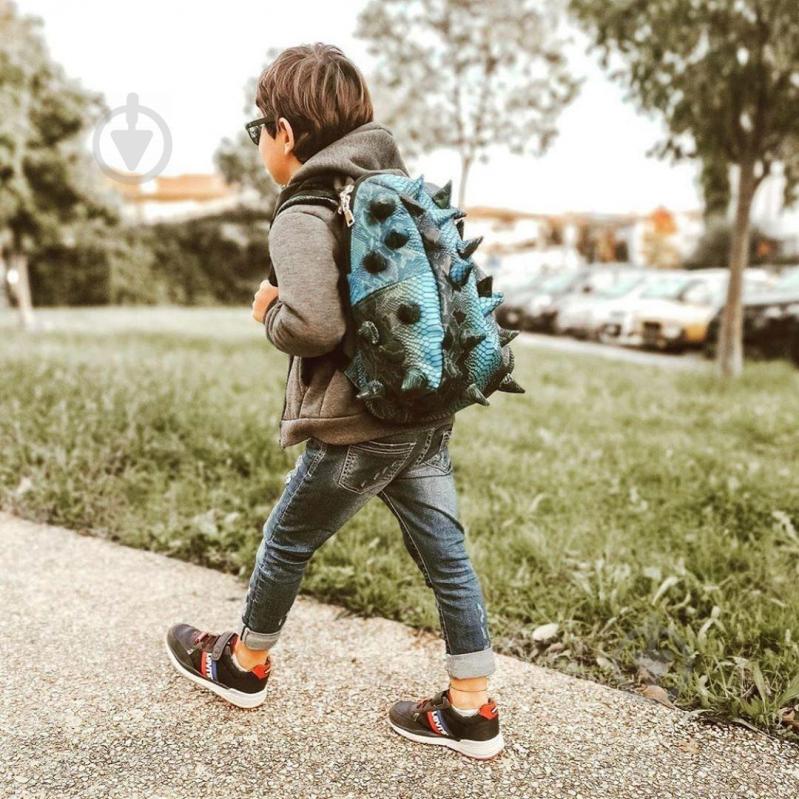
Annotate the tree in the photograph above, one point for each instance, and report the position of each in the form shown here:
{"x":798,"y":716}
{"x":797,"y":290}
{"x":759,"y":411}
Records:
{"x":725,"y":76}
{"x":713,"y":249}
{"x":468,"y":75}
{"x":47,"y":179}
{"x":715,"y":183}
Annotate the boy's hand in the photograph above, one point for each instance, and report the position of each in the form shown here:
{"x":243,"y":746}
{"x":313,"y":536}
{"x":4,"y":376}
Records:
{"x":263,"y":297}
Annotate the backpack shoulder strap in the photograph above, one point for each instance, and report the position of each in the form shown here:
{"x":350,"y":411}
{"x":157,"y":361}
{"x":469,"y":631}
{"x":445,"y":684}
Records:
{"x":311,"y":196}
{"x":318,"y":191}
{"x":314,"y":191}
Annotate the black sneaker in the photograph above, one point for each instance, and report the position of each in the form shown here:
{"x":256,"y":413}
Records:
{"x":433,"y":721}
{"x":205,"y":659}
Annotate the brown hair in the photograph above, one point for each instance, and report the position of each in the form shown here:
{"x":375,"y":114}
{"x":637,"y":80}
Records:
{"x":319,"y":90}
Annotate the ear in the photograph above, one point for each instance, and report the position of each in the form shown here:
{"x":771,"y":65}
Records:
{"x":285,"y":126}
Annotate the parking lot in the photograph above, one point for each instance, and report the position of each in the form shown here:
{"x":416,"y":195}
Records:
{"x":643,"y":315}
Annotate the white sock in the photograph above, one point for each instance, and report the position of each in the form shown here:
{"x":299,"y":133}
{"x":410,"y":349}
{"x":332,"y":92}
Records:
{"x":236,"y":661}
{"x":464,"y":711}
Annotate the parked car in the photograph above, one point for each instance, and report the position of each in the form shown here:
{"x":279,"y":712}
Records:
{"x":516,"y":294}
{"x":541,"y":309}
{"x":617,"y":322}
{"x":581,"y":314}
{"x":770,"y":322}
{"x":613,"y":321}
{"x":552,"y":296}
{"x":675,"y":314}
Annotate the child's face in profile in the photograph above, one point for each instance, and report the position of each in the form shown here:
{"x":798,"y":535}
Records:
{"x":278,"y":153}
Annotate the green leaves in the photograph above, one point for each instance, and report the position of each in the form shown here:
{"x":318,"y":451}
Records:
{"x":468,"y":75}
{"x":723,"y":75}
{"x":48,"y":179}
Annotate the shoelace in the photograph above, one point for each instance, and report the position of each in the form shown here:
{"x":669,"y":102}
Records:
{"x":429,"y":702}
{"x":201,"y":637}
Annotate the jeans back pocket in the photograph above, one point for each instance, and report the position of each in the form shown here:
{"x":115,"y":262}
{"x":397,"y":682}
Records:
{"x":440,"y":459}
{"x":369,"y":466}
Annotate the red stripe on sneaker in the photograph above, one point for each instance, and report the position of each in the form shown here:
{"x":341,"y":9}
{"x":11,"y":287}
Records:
{"x":260,"y":670}
{"x":204,"y":664}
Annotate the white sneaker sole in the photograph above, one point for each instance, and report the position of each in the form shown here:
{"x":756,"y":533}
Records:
{"x":237,"y":698}
{"x":480,"y":750}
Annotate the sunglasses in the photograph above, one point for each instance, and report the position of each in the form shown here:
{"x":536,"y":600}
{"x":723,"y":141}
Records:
{"x":254,"y":129}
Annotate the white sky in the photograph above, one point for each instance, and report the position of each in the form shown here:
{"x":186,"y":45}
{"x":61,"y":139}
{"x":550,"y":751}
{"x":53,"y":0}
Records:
{"x":190,"y":61}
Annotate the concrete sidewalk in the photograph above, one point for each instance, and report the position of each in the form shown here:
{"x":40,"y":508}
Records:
{"x":92,"y":708}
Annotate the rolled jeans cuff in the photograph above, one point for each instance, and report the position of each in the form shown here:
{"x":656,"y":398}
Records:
{"x":254,"y":640}
{"x":471,"y":664}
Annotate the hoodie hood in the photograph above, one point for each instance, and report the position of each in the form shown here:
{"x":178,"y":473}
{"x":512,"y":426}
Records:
{"x":371,"y":147}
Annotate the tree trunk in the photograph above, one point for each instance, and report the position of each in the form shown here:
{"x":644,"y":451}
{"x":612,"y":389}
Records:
{"x":3,"y":283}
{"x":466,"y":163}
{"x":22,"y":289}
{"x":730,"y":350}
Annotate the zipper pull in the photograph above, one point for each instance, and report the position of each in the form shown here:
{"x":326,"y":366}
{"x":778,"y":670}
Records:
{"x":344,"y":204}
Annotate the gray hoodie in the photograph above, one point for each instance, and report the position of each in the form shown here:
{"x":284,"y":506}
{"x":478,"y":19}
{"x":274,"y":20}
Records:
{"x":308,"y":319}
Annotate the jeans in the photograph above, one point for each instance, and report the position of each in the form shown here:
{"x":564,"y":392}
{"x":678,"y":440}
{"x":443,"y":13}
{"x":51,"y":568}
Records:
{"x":411,"y":472}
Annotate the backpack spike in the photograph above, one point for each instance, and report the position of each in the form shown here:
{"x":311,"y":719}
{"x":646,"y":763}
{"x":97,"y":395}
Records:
{"x":474,"y":394}
{"x":414,"y":208}
{"x":470,"y":338}
{"x":414,"y":380}
{"x":396,"y":239}
{"x":506,"y":336}
{"x":382,"y":207}
{"x":431,"y":235}
{"x":487,"y":304}
{"x":374,"y":262}
{"x":443,"y":196}
{"x":464,"y":269}
{"x":372,"y":390}
{"x":510,"y":385}
{"x":416,"y":187}
{"x":459,"y":226}
{"x":442,"y":216}
{"x":466,"y":248}
{"x":369,"y":332}
{"x":485,"y":285}
{"x":454,"y":282}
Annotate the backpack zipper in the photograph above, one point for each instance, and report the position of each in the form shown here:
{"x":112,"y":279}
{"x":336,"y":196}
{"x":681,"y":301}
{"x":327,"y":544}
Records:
{"x":347,"y":196}
{"x":346,"y":199}
{"x":344,"y":204}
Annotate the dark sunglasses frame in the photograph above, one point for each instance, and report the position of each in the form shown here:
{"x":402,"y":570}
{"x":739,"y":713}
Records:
{"x":254,"y":129}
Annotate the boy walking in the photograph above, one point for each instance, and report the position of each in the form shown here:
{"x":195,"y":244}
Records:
{"x":317,"y":125}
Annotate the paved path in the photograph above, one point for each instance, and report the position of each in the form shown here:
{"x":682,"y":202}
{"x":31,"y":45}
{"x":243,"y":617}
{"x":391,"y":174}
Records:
{"x":691,"y":360}
{"x":91,"y":707}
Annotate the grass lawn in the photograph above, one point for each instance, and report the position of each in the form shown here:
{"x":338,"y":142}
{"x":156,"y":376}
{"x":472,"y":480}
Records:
{"x":651,"y":514}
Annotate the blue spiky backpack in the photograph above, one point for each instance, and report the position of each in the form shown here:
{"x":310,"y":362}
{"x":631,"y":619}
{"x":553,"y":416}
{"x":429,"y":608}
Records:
{"x":424,"y":341}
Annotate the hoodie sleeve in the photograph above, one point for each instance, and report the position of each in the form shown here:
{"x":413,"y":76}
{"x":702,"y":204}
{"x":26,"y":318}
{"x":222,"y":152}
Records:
{"x":307,"y":319}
